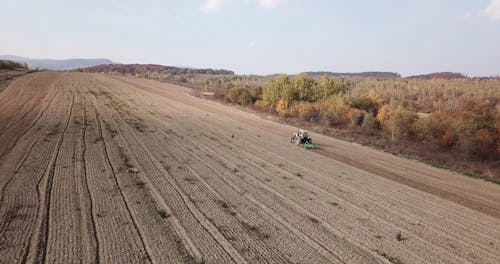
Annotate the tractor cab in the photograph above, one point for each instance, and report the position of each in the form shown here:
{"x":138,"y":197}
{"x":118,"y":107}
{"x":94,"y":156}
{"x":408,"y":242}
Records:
{"x":303,"y":133}
{"x":301,"y":138}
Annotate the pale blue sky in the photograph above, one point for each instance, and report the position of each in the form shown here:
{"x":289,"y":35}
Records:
{"x":263,"y":36}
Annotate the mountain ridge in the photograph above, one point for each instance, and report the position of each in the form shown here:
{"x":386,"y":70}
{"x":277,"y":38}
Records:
{"x":55,"y":64}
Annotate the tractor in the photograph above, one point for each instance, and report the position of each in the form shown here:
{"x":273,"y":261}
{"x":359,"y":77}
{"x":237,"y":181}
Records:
{"x":302,"y":138}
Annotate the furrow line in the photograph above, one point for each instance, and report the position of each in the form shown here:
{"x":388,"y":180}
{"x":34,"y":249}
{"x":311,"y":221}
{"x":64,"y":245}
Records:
{"x":38,"y":249}
{"x":313,"y":244}
{"x":35,"y":121}
{"x":301,"y":207}
{"x":117,"y":236}
{"x":382,"y":221}
{"x":86,"y":192}
{"x":160,"y":238}
{"x":214,"y":191}
{"x":187,"y":202}
{"x":106,"y":155}
{"x":18,"y":208}
{"x":277,"y":156}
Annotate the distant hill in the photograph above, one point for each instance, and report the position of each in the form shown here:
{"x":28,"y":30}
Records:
{"x":50,"y":64}
{"x":439,"y":75}
{"x":152,"y":68}
{"x":359,"y":74}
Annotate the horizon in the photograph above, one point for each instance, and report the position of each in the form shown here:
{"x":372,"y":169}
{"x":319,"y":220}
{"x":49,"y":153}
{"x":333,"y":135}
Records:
{"x":265,"y":36}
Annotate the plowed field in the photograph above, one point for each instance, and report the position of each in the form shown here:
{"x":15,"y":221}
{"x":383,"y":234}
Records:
{"x":105,"y":169}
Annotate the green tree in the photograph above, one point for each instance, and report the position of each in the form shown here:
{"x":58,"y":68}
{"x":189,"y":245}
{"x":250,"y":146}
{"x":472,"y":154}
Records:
{"x":400,"y":120}
{"x":304,"y":88}
{"x":328,"y":86}
{"x":238,"y":95}
{"x":279,"y":88}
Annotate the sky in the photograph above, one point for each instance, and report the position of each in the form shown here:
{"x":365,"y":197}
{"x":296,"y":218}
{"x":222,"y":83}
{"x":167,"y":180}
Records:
{"x":262,"y":36}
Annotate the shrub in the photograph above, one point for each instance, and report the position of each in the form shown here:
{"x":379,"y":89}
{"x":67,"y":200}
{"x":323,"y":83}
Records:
{"x":355,"y":117}
{"x":375,"y":97}
{"x":282,"y":106}
{"x":328,"y":86}
{"x":369,"y":123}
{"x":401,"y":122}
{"x":279,"y":88}
{"x":307,"y":112}
{"x":238,"y":95}
{"x":260,"y":105}
{"x":397,"y":119}
{"x":486,"y":142}
{"x":365,"y":103}
{"x":303,"y":88}
{"x":383,"y":113}
{"x":10,"y":65}
{"x":333,"y":110}
{"x":431,"y":131}
{"x":256,"y":93}
{"x":474,"y":136}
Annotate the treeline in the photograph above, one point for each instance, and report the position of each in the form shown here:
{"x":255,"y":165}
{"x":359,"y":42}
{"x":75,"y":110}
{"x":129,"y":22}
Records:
{"x":356,"y":74}
{"x":462,"y":116}
{"x":143,"y":70}
{"x":10,"y":65}
{"x":439,"y":75}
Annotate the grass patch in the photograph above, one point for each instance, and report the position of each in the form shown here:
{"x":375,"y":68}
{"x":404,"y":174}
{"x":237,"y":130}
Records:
{"x":391,"y":259}
{"x":223,"y":204}
{"x":137,"y":124}
{"x":254,"y":230}
{"x":133,"y":170}
{"x":163,"y":213}
{"x":399,"y":237}
{"x":14,"y":214}
{"x":53,"y":131}
{"x":190,"y":180}
{"x":112,"y":131}
{"x":314,"y":220}
{"x":125,"y":159}
{"x":141,"y":184}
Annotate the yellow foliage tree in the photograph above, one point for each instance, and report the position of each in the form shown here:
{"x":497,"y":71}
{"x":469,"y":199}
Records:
{"x":282,"y":106}
{"x":384,"y":113}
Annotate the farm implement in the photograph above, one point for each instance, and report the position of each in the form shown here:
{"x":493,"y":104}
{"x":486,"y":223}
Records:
{"x":302,"y":139}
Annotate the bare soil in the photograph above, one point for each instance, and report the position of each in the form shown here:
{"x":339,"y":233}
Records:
{"x":98,"y":168}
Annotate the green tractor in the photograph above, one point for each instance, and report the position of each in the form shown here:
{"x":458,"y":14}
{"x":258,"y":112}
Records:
{"x":302,"y":138}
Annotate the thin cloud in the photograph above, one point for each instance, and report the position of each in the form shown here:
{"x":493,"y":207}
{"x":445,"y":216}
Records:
{"x":269,"y":4}
{"x":252,"y":43}
{"x":493,"y":10}
{"x":213,"y":6}
{"x":216,"y":6}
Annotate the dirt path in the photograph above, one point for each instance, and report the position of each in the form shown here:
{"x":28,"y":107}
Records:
{"x":117,"y":170}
